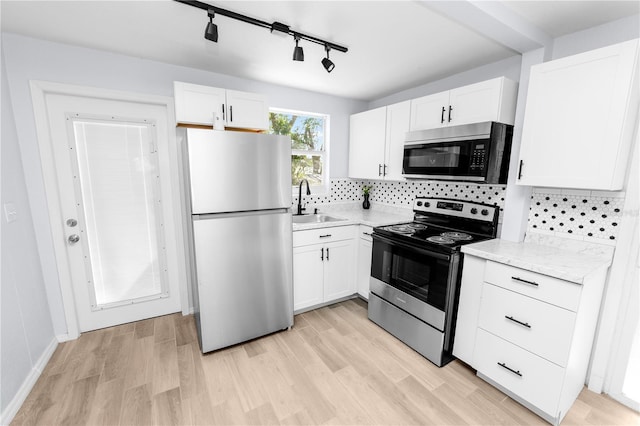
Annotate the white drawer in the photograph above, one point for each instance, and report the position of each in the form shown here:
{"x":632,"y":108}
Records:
{"x":542,"y":287}
{"x":365,"y":232}
{"x":532,"y":378}
{"x":323,"y":235}
{"x":536,"y":326}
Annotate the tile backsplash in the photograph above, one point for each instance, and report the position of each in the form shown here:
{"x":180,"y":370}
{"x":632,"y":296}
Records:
{"x":577,"y":214}
{"x":586,"y":215}
{"x":402,"y":194}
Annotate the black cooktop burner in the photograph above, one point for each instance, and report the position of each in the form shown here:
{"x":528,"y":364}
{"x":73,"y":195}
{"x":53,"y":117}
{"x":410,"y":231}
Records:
{"x":407,"y":228}
{"x":457,"y":236}
{"x":444,"y":225}
{"x":428,"y":235}
{"x":439,"y":239}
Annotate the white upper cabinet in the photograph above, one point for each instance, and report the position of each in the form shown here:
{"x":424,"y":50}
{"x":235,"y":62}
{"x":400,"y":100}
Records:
{"x":429,"y":112}
{"x":199,"y":105}
{"x":397,"y":127}
{"x":491,"y":100}
{"x":376,"y":139}
{"x":579,"y":119}
{"x":367,"y":132}
{"x":247,"y":110}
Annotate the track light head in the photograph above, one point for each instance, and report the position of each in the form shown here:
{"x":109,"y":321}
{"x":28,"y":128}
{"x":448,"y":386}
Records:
{"x":211,"y":31}
{"x":298,"y":53}
{"x":326,"y":62}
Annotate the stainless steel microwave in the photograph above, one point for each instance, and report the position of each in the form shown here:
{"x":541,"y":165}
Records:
{"x":476,"y":152}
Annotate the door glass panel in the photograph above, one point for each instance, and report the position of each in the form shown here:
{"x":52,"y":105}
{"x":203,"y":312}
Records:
{"x":118,"y":184}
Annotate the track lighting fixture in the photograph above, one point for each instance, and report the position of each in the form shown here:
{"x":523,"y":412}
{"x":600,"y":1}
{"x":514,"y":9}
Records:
{"x":211,"y":31}
{"x":326,"y":62}
{"x":298,"y":53}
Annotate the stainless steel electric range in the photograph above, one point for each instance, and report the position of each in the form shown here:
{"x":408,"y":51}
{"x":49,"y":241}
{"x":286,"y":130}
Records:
{"x":416,"y":269}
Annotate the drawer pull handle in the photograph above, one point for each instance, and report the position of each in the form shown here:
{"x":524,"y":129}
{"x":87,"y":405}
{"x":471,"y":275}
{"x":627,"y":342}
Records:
{"x":325,"y":236}
{"x":524,"y":324}
{"x":524,"y":281}
{"x":503,"y":365}
{"x":367,"y":233}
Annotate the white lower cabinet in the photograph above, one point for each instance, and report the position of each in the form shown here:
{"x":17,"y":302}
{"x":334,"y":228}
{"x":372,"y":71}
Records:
{"x":323,"y":265}
{"x":527,"y":375}
{"x":528,"y":334}
{"x":365,"y":245}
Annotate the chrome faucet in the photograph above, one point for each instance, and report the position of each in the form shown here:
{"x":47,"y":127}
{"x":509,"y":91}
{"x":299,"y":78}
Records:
{"x":300,"y":209}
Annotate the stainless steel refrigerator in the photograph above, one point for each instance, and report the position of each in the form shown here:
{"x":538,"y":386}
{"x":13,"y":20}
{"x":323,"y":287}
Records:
{"x":240,"y":196}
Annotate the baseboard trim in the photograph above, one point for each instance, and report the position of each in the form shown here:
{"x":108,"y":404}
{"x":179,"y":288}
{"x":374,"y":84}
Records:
{"x":65,"y":338}
{"x":12,"y":408}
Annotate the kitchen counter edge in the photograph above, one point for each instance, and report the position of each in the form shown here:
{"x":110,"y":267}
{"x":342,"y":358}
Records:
{"x":369,"y":218}
{"x":556,"y":262}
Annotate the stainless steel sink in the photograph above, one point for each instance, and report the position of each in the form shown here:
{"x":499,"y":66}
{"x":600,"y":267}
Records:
{"x":315,"y":218}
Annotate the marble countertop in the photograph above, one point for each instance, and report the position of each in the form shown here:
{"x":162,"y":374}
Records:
{"x":569,"y":262}
{"x":354,"y":214}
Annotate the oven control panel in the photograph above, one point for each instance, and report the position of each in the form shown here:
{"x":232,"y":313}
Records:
{"x":458,"y":208}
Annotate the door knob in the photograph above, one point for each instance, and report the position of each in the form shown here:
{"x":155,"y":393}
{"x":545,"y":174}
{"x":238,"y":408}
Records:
{"x":71,"y":223}
{"x":73,"y":239}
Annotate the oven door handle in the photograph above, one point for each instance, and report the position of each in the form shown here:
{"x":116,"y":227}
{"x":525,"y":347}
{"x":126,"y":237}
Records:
{"x":411,"y":247}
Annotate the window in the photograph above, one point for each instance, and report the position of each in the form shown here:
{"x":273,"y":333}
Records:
{"x":309,"y":144}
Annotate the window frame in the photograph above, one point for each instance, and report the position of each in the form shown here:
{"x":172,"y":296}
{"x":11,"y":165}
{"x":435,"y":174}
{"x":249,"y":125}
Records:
{"x":324,"y":188}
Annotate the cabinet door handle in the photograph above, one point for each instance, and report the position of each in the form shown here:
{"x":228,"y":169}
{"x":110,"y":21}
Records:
{"x":450,"y":109}
{"x":379,"y":169}
{"x":520,"y":170}
{"x":442,"y":115}
{"x":325,"y":236}
{"x":223,"y":112}
{"x":524,"y":324}
{"x":384,"y":170}
{"x":231,"y":113}
{"x":327,"y":254}
{"x":503,"y":365}
{"x":524,"y":281}
{"x":322,"y":254}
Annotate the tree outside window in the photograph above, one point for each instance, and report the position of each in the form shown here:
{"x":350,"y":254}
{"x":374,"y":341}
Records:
{"x":308,"y":143}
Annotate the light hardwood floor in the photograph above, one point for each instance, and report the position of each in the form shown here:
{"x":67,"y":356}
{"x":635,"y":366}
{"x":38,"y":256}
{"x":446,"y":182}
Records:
{"x":333,"y":367}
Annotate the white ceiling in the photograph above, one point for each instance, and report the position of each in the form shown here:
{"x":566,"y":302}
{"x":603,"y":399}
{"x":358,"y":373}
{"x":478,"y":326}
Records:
{"x":393,"y":45}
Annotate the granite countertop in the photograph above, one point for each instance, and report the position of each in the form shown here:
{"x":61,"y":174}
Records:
{"x":354,"y":214}
{"x":568,"y":261}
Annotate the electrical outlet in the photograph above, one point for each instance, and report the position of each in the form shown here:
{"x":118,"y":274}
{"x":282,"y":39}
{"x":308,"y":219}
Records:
{"x":10,"y":213}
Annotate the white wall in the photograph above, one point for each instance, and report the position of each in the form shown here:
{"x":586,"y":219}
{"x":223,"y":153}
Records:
{"x":32,"y":59}
{"x":509,"y":68}
{"x":593,"y":38}
{"x":27,"y":333}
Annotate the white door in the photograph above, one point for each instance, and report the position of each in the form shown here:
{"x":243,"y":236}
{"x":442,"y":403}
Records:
{"x":112,"y":168}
